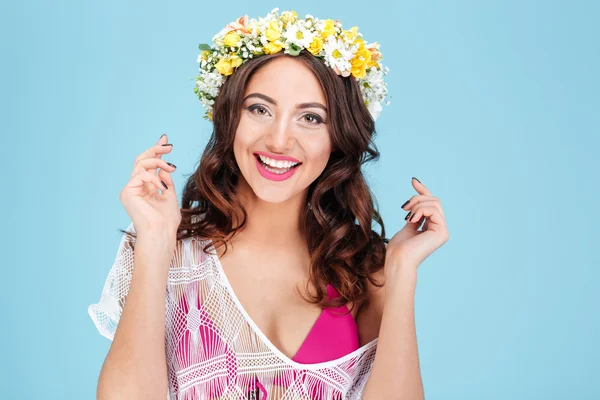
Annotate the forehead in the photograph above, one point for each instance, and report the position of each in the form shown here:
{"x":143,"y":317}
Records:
{"x":286,"y":80}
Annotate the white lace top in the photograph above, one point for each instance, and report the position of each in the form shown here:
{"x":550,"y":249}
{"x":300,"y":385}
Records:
{"x":214,"y":350}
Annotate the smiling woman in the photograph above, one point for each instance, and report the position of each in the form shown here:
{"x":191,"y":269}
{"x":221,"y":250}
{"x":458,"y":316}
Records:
{"x":268,"y":107}
{"x":273,"y":285}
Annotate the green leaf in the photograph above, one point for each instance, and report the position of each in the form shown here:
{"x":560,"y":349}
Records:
{"x":294,"y":49}
{"x":203,"y":47}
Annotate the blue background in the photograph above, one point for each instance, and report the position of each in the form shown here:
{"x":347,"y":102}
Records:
{"x":495,"y":107}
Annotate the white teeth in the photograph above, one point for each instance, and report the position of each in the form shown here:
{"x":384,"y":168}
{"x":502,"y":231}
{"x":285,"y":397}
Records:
{"x":277,"y":163}
{"x":275,"y":171}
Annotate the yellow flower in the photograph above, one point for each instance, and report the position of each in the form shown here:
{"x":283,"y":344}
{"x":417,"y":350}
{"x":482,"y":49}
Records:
{"x":361,"y":62}
{"x":204,"y":55}
{"x":273,"y":32}
{"x":224,"y":67}
{"x":352,"y":33}
{"x":273,"y":35}
{"x":236,"y":60}
{"x":232,"y":39}
{"x":288,"y":17}
{"x":227,"y":65}
{"x":316,"y":46}
{"x":273,"y":47}
{"x":328,"y":29}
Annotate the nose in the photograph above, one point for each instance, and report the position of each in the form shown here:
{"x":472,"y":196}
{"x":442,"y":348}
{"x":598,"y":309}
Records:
{"x":280,"y":137}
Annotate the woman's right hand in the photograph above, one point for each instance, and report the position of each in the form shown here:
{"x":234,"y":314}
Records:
{"x":148,"y":209}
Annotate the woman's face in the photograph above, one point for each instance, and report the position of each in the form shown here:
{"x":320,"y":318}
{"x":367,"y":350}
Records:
{"x":283,"y":115}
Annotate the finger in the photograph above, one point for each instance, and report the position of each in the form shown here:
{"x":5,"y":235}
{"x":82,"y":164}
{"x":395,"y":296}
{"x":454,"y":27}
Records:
{"x":431,"y":213}
{"x":167,"y":179}
{"x":145,"y":177}
{"x":156,"y":151}
{"x":419,"y":187}
{"x":416,"y":199}
{"x":424,"y":201}
{"x":151,"y":164}
{"x":429,"y":203}
{"x":163,"y":141}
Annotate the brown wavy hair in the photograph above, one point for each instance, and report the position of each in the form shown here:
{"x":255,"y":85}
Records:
{"x":345,"y":250}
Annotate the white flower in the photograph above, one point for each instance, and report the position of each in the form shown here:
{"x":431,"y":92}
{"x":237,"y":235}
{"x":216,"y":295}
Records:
{"x":338,"y":55}
{"x":209,"y":83}
{"x":319,"y":25}
{"x":299,"y":35}
{"x":374,"y":89}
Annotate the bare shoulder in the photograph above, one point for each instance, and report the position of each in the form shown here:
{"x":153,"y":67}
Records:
{"x":369,"y":316}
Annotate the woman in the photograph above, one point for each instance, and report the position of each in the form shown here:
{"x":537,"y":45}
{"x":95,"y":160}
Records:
{"x":276,"y":285}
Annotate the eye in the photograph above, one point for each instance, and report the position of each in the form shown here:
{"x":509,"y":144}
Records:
{"x":313,"y":119}
{"x":261,"y":110}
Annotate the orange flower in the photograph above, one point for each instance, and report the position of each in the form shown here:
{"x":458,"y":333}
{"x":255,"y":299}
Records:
{"x":240,"y":24}
{"x":375,"y":53}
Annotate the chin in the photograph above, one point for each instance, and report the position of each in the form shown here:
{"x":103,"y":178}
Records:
{"x":273,"y":195}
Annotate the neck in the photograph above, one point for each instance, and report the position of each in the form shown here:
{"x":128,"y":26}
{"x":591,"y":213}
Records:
{"x":277,"y":224}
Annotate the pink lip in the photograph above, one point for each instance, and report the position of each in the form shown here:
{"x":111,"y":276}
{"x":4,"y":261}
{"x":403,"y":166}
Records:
{"x":274,"y":157}
{"x":274,"y":177}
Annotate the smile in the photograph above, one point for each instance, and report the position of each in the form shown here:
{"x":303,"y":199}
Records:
{"x":274,"y":173}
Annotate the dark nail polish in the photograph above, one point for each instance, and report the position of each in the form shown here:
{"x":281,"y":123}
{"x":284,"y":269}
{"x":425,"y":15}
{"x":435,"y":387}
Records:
{"x":161,"y":136}
{"x":407,"y":215}
{"x":166,"y":187}
{"x":172,"y":165}
{"x":416,"y":179}
{"x":167,"y":144}
{"x":402,"y":206}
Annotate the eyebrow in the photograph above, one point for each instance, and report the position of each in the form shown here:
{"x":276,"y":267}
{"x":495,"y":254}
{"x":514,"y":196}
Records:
{"x":272,"y":101}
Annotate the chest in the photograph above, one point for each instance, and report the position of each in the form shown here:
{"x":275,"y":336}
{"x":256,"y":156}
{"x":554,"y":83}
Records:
{"x":271,"y":289}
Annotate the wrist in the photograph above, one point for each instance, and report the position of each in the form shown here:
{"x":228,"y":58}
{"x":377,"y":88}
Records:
{"x":398,"y":271}
{"x":159,"y":244}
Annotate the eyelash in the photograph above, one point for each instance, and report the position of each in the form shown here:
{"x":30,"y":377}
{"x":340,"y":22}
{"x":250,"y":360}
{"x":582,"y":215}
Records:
{"x":317,"y":118}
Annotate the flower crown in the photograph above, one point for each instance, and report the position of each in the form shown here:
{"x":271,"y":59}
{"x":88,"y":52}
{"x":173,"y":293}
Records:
{"x":343,"y":50}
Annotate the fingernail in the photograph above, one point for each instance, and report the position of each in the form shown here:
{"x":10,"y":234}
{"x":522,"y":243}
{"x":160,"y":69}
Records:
{"x":172,"y":165}
{"x":166,"y":187}
{"x":161,"y":136}
{"x":416,"y":179}
{"x":407,"y":215}
{"x":402,"y":206}
{"x":167,"y":144}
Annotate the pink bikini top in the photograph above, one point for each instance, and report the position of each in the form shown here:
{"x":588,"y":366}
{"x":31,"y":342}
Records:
{"x":333,"y":335}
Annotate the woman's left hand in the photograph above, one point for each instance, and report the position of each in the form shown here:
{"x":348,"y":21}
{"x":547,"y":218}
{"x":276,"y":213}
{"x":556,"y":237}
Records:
{"x":410,"y":246}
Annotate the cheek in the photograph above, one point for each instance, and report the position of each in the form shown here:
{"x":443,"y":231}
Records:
{"x":319,"y":154}
{"x":244,"y":138}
